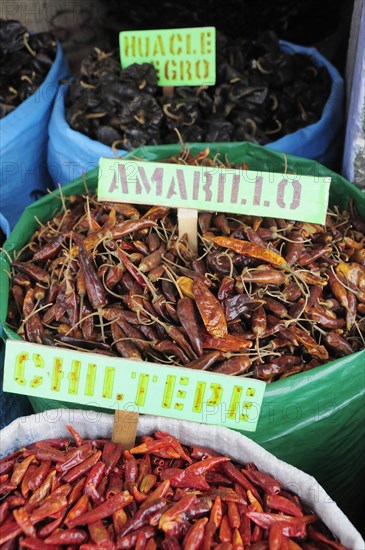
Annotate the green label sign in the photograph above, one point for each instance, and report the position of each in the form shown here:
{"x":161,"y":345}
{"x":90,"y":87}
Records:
{"x":181,"y":57}
{"x":295,"y":197}
{"x":116,"y":383}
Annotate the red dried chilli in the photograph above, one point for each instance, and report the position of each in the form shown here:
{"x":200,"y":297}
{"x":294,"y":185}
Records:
{"x":263,"y":297}
{"x":160,"y":494}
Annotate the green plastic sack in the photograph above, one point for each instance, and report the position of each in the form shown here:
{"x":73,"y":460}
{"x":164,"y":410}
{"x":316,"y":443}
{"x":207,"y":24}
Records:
{"x":313,"y":420}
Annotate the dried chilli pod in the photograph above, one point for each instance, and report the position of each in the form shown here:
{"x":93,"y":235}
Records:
{"x":180,"y":339}
{"x":100,"y":535}
{"x":82,"y":468}
{"x":50,"y":250}
{"x":187,"y":316}
{"x":225,"y":530}
{"x":18,"y":295}
{"x":125,"y":209}
{"x":235,"y":306}
{"x":210,"y":310}
{"x":39,"y":475}
{"x":153,"y":260}
{"x":226,"y":288}
{"x":262,"y":276}
{"x":282,"y":504}
{"x":205,"y":361}
{"x":338,"y":343}
{"x":320,"y":537}
{"x":153,"y":241}
{"x":259,"y":322}
{"x":195,"y":535}
{"x":292,"y":292}
{"x":253,"y":237}
{"x":93,"y":479}
{"x":125,"y":348}
{"x":251,"y":249}
{"x":36,"y":273}
{"x":67,"y":536}
{"x":310,"y":277}
{"x":204,"y":221}
{"x":131,"y":268}
{"x":156,"y":212}
{"x":156,"y":273}
{"x":114,"y":275}
{"x":185,"y":284}
{"x":351,"y":311}
{"x":353,"y":273}
{"x":115,"y":503}
{"x":294,"y":249}
{"x":234,"y":366}
{"x":233,"y":515}
{"x":276,"y":366}
{"x":307,"y":258}
{"x":228,"y":343}
{"x":291,"y":526}
{"x":24,"y":522}
{"x":34,"y":329}
{"x":309,"y":343}
{"x":324,"y":318}
{"x":22,"y":280}
{"x":265,"y":481}
{"x":239,"y":478}
{"x":94,"y":288}
{"x":220,"y":222}
{"x":168,"y":347}
{"x":176,"y":510}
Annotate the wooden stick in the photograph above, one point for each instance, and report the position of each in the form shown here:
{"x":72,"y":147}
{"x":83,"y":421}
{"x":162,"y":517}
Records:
{"x":168,"y":90}
{"x":187,"y":220}
{"x":125,"y":428}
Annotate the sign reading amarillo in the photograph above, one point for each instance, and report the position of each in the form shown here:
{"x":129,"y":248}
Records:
{"x":116,"y":383}
{"x":295,"y":197}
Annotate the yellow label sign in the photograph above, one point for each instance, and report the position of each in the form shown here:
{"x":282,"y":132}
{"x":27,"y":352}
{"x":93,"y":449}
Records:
{"x":116,"y":383}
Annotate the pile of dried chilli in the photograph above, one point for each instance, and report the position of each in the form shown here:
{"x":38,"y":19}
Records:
{"x":261,"y":95}
{"x":264,"y":297}
{"x":25,"y":60}
{"x":91,"y":494}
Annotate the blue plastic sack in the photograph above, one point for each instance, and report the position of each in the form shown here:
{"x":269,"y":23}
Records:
{"x":319,"y":141}
{"x":23,"y":145}
{"x":4,"y":225}
{"x":71,"y":153}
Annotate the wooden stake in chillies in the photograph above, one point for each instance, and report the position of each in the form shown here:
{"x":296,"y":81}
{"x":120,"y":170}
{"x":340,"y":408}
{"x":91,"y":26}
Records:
{"x":168,"y":90}
{"x":125,"y":422}
{"x":187,"y":220}
{"x":125,"y":428}
{"x":187,"y":217}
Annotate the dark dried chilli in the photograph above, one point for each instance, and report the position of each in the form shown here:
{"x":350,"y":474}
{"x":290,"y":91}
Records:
{"x":261,"y":94}
{"x":265,"y":310}
{"x":160,"y":494}
{"x":25,"y":60}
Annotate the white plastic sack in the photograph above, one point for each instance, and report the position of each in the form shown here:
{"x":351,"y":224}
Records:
{"x":91,"y":424}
